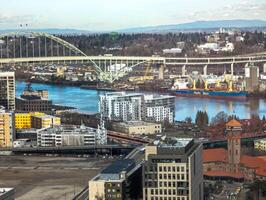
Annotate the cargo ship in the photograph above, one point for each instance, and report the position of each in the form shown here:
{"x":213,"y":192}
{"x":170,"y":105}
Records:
{"x":211,"y":94}
{"x":213,"y":88}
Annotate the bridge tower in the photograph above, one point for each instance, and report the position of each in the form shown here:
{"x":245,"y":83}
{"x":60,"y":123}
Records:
{"x":184,"y":71}
{"x":234,"y":131}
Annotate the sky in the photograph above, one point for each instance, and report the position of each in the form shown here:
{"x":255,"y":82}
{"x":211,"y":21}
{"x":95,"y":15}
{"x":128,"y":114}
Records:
{"x":106,"y":15}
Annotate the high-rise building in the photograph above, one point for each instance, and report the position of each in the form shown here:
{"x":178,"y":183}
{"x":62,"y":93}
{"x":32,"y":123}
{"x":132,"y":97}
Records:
{"x":173,"y":170}
{"x":6,"y":129}
{"x":119,"y":181}
{"x":7,"y":90}
{"x":136,"y":107}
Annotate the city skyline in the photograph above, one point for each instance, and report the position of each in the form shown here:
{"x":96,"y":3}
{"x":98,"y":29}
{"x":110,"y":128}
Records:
{"x":102,"y":15}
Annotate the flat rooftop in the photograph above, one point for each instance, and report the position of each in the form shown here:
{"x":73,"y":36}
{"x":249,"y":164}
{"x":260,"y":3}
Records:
{"x":173,"y":142}
{"x":136,"y":123}
{"x":5,"y":190}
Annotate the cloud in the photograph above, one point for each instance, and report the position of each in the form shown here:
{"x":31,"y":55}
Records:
{"x":14,"y":21}
{"x":242,"y":10}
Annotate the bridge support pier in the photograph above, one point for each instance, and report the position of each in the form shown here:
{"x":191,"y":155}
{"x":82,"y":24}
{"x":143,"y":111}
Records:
{"x":205,"y":70}
{"x":161,"y":72}
{"x":184,"y":70}
{"x":232,"y":70}
{"x":264,"y":68}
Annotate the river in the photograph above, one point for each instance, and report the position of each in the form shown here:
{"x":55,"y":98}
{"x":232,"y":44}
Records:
{"x":87,"y":101}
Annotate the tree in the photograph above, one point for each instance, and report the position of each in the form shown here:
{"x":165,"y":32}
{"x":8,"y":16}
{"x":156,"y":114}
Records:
{"x":188,"y":120}
{"x":202,"y":119}
{"x":220,"y":118}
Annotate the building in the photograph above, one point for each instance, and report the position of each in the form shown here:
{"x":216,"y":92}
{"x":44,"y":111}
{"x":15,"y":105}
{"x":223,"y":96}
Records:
{"x":68,"y":135}
{"x":6,"y":129}
{"x":121,"y":106}
{"x":231,"y":163}
{"x":7,"y":194}
{"x":172,"y":51}
{"x":33,"y":101}
{"x":23,"y":120}
{"x":7,"y":90}
{"x":119,"y":181}
{"x":260,"y":144}
{"x":36,"y":120}
{"x":173,"y":170}
{"x":44,"y":121}
{"x":251,"y":78}
{"x":159,"y":108}
{"x":137,"y":127}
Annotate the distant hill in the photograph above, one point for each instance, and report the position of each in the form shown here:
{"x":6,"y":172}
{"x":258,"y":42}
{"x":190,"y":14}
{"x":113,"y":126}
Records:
{"x":56,"y":31}
{"x":199,"y":26}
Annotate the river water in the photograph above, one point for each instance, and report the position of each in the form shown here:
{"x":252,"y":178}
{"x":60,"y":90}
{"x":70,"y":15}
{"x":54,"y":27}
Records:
{"x":87,"y":101}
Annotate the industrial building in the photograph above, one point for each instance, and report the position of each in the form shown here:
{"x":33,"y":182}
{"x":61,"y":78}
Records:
{"x":33,"y":101}
{"x":137,"y":127}
{"x":6,"y":128}
{"x":23,"y":120}
{"x":7,"y":194}
{"x":70,"y":135}
{"x":173,"y":170}
{"x":7,"y":90}
{"x":119,"y":181}
{"x":121,"y":106}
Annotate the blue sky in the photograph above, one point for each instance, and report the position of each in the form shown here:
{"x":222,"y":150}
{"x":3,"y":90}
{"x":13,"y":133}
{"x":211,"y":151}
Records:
{"x":118,"y":14}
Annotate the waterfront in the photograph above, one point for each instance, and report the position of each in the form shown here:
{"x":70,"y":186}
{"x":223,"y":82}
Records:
{"x":87,"y":101}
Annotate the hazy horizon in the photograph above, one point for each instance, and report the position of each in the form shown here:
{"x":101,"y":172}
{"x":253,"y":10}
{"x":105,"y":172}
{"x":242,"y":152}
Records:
{"x":104,"y":15}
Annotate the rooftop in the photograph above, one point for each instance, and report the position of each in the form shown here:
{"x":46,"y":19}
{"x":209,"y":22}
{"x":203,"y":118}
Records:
{"x":118,"y":166}
{"x":233,"y":123}
{"x":173,"y":142}
{"x":5,"y":190}
{"x":136,"y":123}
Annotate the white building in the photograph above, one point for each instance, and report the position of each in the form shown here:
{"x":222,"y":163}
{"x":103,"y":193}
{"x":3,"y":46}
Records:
{"x":69,"y":135}
{"x":121,"y":106}
{"x":172,"y":51}
{"x":209,"y":47}
{"x":159,"y":108}
{"x":229,"y":47}
{"x":136,"y":107}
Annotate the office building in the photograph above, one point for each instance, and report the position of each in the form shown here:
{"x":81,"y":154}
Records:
{"x":251,"y":78}
{"x":68,"y":135}
{"x":137,"y":127}
{"x":119,"y":181}
{"x":6,"y":129}
{"x":7,"y":90}
{"x":121,"y":106}
{"x":173,"y":170}
{"x":7,"y":194}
